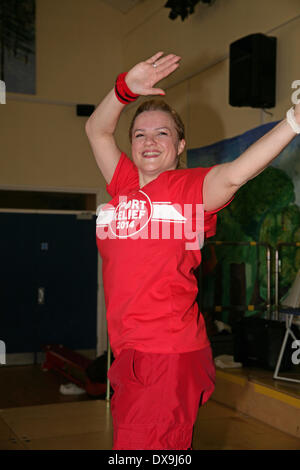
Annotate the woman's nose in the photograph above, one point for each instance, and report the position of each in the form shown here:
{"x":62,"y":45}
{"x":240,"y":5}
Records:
{"x":149,"y":139}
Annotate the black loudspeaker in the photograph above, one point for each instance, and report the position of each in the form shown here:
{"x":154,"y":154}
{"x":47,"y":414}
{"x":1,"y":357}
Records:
{"x":84,"y":109}
{"x":252,"y":71}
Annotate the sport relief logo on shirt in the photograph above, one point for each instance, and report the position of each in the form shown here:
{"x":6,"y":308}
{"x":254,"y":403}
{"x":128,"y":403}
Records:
{"x":131,"y":216}
{"x":136,"y":216}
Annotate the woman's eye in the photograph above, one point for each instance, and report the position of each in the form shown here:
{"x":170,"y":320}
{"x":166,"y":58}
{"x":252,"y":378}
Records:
{"x":163,"y":133}
{"x":139,"y":135}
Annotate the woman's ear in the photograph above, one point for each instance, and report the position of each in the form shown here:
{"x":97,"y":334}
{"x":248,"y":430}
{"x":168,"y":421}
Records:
{"x":181,"y":146}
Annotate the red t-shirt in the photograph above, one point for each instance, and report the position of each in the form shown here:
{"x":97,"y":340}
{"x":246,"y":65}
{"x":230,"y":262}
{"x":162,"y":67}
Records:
{"x":149,"y":239}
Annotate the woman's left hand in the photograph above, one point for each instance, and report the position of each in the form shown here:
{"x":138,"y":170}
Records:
{"x":142,"y":78}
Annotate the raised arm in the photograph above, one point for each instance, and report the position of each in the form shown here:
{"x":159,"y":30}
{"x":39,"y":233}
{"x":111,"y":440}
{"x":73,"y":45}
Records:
{"x":222,"y":182}
{"x":101,"y":125}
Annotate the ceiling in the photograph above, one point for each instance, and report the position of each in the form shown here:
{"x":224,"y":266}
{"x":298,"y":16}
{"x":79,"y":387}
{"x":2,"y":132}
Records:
{"x":122,"y":5}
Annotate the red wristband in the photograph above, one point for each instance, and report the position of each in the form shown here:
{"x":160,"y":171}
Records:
{"x":122,"y":91}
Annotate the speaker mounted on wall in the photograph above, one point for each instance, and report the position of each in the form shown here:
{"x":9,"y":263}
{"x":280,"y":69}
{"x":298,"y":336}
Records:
{"x":84,"y":109}
{"x":252,"y":71}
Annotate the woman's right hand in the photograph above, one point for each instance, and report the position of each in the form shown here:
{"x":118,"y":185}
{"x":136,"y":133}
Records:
{"x":143,"y":76}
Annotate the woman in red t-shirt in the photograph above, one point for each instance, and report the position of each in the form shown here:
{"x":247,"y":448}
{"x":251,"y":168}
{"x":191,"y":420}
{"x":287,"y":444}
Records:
{"x":157,"y":394}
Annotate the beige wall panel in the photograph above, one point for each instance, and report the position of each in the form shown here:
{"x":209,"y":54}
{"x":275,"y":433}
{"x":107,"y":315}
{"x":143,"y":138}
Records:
{"x":78,"y":49}
{"x":203,"y":37}
{"x":78,"y":55}
{"x":141,"y":13}
{"x":45,"y":146}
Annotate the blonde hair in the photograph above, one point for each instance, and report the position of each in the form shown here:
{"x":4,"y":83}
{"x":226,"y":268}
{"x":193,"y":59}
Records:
{"x":159,"y":105}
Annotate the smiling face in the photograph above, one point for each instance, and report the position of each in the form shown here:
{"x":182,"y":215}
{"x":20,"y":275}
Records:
{"x":155,"y":144}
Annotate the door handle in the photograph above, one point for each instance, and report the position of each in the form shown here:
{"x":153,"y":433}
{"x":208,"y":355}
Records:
{"x":41,"y":296}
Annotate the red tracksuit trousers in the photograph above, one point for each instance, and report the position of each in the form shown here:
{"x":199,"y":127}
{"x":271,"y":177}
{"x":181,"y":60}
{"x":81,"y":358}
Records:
{"x":157,"y":396}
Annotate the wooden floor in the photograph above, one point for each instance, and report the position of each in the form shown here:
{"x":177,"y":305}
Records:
{"x":29,"y":386}
{"x":34,"y":415}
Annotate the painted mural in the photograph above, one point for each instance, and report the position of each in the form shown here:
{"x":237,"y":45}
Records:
{"x":265,"y":210}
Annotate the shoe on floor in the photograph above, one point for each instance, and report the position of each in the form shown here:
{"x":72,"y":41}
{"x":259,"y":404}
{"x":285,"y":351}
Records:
{"x":71,"y":389}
